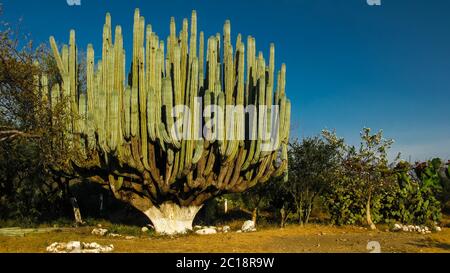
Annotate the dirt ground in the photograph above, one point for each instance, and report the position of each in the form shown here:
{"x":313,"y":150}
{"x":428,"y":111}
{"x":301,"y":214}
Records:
{"x":292,"y":239}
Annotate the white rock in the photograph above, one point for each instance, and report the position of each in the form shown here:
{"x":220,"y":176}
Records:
{"x":93,"y":250}
{"x":91,"y":245}
{"x":144,"y":229}
{"x":405,"y":228}
{"x":56,"y":247}
{"x":427,"y":231}
{"x":426,"y":228}
{"x":79,"y":247}
{"x":437,"y":229}
{"x":99,"y":231}
{"x":248,"y":226}
{"x":73,"y":246}
{"x":239,"y":231}
{"x":53,"y":245}
{"x":226,"y":229}
{"x":109,"y":248}
{"x":397,"y":227}
{"x":197,"y":227}
{"x":206,"y":231}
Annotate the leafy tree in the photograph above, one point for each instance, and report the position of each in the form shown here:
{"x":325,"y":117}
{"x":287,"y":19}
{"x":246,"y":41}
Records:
{"x":27,"y":127}
{"x":281,"y":200}
{"x":312,"y":164}
{"x":364,"y":174}
{"x":260,"y":196}
{"x":27,"y":193}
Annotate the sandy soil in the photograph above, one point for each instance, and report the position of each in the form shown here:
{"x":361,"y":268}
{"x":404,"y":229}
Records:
{"x":293,"y":239}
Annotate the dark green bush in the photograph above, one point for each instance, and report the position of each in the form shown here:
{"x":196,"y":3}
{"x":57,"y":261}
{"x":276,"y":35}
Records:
{"x":27,"y":194}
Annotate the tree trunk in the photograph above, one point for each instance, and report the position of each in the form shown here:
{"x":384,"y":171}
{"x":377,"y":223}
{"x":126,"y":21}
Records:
{"x":300,"y":214}
{"x":283,"y":217}
{"x":254,"y":215}
{"x":171,"y":218}
{"x":101,"y":202}
{"x":308,"y":212}
{"x":368,"y":215}
{"x":76,"y":211}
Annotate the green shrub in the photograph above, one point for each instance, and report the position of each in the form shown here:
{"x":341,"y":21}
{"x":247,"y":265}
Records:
{"x":27,"y":193}
{"x":126,"y":230}
{"x":412,"y":204}
{"x":413,"y":200}
{"x":346,"y":207}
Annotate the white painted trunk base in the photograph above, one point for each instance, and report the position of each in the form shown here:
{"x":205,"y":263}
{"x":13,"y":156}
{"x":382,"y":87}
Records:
{"x":76,"y":210}
{"x":171,"y":219}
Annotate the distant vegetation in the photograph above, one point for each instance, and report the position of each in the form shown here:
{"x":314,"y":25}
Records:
{"x":348,"y":185}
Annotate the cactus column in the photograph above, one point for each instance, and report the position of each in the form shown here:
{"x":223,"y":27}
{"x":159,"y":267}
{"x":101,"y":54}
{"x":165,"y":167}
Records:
{"x":122,"y":130}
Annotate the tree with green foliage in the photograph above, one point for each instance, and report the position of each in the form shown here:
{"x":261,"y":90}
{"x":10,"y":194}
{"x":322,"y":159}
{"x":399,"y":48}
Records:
{"x":364,"y":172}
{"x":281,"y":200}
{"x":258,"y":197}
{"x":312,"y":164}
{"x":27,"y":128}
{"x":27,"y":193}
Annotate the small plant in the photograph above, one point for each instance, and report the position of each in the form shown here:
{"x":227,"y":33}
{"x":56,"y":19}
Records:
{"x":126,"y":230}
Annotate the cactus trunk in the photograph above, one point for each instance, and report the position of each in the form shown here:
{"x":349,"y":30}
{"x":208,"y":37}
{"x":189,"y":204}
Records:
{"x":170,"y":218}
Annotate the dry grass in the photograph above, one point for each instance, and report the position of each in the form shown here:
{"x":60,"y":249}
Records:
{"x":293,"y":239}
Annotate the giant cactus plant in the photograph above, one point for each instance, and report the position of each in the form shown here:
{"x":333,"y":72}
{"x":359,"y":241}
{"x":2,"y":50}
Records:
{"x":122,"y":131}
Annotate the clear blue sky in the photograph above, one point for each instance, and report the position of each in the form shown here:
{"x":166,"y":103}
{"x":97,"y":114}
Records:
{"x":349,"y":65}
